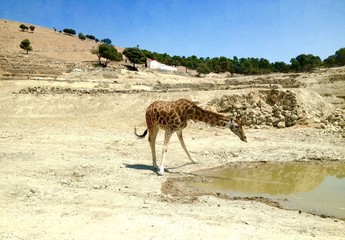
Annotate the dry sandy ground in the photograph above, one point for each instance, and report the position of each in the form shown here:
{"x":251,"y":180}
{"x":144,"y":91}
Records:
{"x":71,"y":168}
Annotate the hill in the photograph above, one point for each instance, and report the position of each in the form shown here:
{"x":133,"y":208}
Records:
{"x":53,"y":52}
{"x":46,"y":42}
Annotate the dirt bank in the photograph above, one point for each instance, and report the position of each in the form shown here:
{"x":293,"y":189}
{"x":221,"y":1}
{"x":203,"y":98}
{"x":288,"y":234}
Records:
{"x":71,"y":168}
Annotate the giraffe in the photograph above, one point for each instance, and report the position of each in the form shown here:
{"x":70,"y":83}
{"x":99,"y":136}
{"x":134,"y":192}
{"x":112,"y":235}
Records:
{"x":173,"y":116}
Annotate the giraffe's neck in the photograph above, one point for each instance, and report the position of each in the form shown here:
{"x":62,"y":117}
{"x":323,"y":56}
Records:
{"x":211,"y":118}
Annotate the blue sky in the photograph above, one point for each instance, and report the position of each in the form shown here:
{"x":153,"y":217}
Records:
{"x":277,"y":30}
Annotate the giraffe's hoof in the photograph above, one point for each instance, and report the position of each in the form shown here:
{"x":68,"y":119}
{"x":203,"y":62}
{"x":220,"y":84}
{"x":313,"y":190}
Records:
{"x":160,"y":172}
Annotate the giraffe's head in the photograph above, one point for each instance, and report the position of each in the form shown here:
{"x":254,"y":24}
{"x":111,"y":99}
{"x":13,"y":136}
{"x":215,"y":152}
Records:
{"x":237,"y":128}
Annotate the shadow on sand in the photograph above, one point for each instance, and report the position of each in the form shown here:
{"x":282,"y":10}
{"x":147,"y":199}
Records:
{"x":152,"y":168}
{"x":141,"y":167}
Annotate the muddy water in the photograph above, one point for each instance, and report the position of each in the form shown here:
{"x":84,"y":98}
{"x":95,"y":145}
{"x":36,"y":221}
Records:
{"x":315,"y":188}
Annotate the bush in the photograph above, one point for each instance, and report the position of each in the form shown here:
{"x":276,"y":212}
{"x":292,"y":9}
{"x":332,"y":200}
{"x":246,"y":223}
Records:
{"x":25,"y":44}
{"x":90,"y":37}
{"x":81,"y":36}
{"x":23,"y":27}
{"x":203,"y":69}
{"x":69,"y":31}
{"x":106,"y":40}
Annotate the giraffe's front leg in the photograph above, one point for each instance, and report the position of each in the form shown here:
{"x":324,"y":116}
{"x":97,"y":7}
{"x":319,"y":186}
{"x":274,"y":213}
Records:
{"x":167,"y":137}
{"x":183,"y":145}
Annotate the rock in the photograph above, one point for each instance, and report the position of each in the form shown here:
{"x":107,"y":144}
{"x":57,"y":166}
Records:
{"x":281,"y":125}
{"x":316,"y":120}
{"x":294,"y":117}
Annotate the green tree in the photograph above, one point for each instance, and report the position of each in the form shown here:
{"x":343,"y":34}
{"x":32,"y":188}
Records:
{"x":26,"y":45}
{"x":203,"y":69}
{"x":69,"y":31}
{"x":264,"y":66}
{"x":23,"y":27}
{"x":177,"y":61}
{"x":32,"y":28}
{"x":340,"y":57}
{"x":330,"y":61}
{"x":135,"y":56}
{"x":81,"y":36}
{"x":190,"y":62}
{"x":245,"y":66}
{"x":108,"y":52}
{"x":280,"y":67}
{"x":106,"y":40}
{"x":305,"y":63}
{"x":224,"y":64}
{"x":91,"y":37}
{"x":236,"y":64}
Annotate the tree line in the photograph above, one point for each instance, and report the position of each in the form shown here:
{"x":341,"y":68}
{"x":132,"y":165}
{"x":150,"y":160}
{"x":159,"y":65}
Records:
{"x":249,"y":66}
{"x":246,"y":66}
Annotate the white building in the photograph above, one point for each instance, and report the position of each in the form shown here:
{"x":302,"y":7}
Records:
{"x":153,"y":64}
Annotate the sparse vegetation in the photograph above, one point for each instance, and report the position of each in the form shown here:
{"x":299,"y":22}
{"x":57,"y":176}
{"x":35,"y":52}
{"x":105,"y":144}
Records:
{"x":26,"y":45}
{"x":246,"y":66}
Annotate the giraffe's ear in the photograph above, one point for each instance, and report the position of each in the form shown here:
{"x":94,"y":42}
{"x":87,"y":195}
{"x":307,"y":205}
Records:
{"x":238,"y":120}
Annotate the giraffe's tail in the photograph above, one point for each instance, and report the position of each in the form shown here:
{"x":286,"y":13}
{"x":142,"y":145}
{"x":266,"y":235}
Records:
{"x":140,"y":136}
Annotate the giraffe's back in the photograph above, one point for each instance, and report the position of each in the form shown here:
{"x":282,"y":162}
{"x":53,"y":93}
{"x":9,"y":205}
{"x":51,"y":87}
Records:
{"x":168,"y":114}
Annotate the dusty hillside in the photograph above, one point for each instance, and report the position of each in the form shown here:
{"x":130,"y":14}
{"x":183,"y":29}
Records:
{"x":46,"y":42}
{"x":71,"y":168}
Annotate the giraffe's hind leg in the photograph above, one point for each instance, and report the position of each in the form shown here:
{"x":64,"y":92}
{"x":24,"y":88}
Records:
{"x":180,"y":137}
{"x":152,"y":140}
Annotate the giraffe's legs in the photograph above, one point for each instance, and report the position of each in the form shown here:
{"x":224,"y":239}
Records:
{"x":167,"y":137}
{"x":152,"y":140}
{"x":180,"y":137}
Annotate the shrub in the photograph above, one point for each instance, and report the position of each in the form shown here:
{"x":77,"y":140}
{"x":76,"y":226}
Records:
{"x":23,"y":27}
{"x":69,"y":31}
{"x":90,"y":37}
{"x":26,"y":45}
{"x":81,"y":36}
{"x":106,"y":40}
